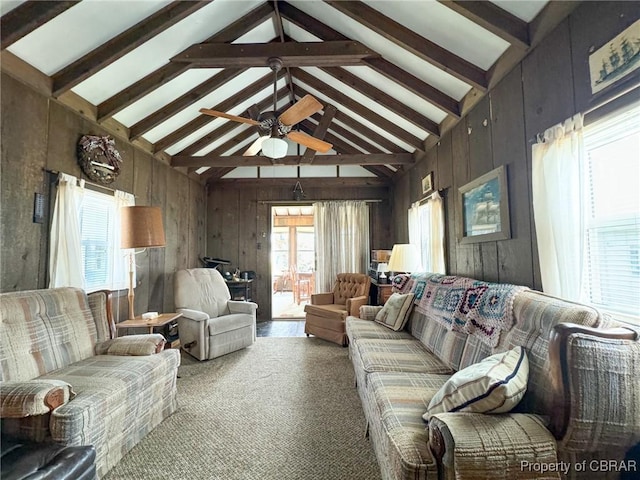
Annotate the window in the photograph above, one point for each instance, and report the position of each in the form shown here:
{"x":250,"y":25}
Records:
{"x":105,"y":265}
{"x":611,"y":185}
{"x":426,"y":231}
{"x":85,"y":238}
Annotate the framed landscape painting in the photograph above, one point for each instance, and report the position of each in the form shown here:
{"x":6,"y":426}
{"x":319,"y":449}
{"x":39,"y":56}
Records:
{"x":484,"y":207}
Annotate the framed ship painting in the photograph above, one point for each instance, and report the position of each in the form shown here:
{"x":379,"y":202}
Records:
{"x":484,"y":207}
{"x":615,"y":59}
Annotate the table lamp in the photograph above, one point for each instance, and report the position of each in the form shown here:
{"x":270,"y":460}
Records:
{"x":141,"y":228}
{"x":405,"y":258}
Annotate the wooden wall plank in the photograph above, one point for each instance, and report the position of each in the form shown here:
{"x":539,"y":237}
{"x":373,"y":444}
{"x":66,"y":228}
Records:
{"x":548,"y":100}
{"x":509,"y":149}
{"x":23,"y":151}
{"x":159,"y":180}
{"x":468,"y":261}
{"x":196,"y":229}
{"x":481,"y":162}
{"x":444,"y":179}
{"x":479,"y":135}
{"x":444,"y":182}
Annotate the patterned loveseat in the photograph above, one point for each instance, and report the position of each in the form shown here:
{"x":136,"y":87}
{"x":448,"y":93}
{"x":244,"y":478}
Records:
{"x":580,"y":414}
{"x":65,"y":378}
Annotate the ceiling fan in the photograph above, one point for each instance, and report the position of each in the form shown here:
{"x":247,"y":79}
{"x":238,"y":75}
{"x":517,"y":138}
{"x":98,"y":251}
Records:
{"x":274,"y":127}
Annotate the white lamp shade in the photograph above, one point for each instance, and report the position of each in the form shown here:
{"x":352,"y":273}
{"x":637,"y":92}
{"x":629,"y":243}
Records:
{"x":404,"y":258}
{"x":274,"y":147}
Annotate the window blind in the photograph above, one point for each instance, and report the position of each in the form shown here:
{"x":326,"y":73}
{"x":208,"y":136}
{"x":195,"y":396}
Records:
{"x":612,"y":195}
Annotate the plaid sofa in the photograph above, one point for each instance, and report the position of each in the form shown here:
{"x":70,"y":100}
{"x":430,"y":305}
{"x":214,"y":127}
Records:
{"x":582,"y":404}
{"x":65,"y":378}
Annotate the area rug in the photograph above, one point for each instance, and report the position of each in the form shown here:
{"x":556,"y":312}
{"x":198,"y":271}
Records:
{"x":285,"y":408}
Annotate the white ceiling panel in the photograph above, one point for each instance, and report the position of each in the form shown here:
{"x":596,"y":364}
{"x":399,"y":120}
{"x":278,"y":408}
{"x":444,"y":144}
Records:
{"x":424,"y":70}
{"x":158,"y":98}
{"x":153,"y":54}
{"x":79,"y":30}
{"x":355,"y":171}
{"x":445,"y":27}
{"x":320,"y":96}
{"x":207,"y":101}
{"x":8,"y":5}
{"x":524,"y":10}
{"x":367,"y":102}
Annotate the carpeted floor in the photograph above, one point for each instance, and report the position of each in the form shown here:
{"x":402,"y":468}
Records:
{"x":283,"y":409}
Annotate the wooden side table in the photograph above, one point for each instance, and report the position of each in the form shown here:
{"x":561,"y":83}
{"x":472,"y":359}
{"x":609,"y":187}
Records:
{"x":379,"y":293}
{"x":241,"y":289}
{"x":163,"y":320}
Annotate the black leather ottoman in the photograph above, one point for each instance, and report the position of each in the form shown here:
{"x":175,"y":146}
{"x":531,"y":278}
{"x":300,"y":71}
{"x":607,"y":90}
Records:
{"x":46,"y":461}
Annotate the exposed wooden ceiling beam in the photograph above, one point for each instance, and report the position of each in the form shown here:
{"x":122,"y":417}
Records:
{"x":358,"y":108}
{"x":411,"y":41}
{"x":120,"y":45}
{"x":352,"y":137}
{"x":195,"y":94}
{"x":292,"y":54}
{"x":494,"y":19}
{"x":205,"y":160}
{"x":318,"y":182}
{"x":159,"y":77}
{"x":211,"y":160}
{"x":227,"y":126}
{"x":347,"y":149}
{"x":320,"y":130}
{"x":277,"y":22}
{"x":355,"y":125}
{"x":380,"y":65}
{"x":384,"y":99}
{"x":28,"y":16}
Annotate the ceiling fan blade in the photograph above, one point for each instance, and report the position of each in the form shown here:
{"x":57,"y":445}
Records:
{"x":300,"y":110}
{"x":235,"y":118}
{"x":309,"y":141}
{"x":255,"y":147}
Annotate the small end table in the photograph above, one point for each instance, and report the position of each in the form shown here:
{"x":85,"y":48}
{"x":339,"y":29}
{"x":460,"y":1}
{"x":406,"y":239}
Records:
{"x":162,"y":320}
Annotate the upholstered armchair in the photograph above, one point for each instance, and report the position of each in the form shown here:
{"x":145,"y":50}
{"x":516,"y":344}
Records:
{"x":326,"y":315}
{"x":211,"y":324}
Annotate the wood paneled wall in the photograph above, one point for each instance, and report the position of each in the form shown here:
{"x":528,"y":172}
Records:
{"x":550,"y":85}
{"x":39,"y":135}
{"x":239,"y":222}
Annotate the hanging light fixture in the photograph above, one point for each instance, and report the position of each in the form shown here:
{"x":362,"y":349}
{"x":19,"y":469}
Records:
{"x":274,"y":147}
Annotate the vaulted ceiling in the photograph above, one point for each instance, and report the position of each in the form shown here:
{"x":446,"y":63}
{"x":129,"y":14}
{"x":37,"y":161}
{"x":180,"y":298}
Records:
{"x":392,"y":75}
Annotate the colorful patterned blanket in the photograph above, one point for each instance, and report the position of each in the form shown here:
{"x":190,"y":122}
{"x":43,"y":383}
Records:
{"x":462,"y":304}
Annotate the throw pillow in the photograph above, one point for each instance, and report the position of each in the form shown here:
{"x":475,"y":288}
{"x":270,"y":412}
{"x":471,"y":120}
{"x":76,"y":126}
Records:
{"x":494,"y":385}
{"x":395,"y":312}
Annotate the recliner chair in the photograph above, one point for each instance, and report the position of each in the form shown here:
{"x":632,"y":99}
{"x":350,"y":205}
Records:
{"x":326,"y":315}
{"x":212,"y":324}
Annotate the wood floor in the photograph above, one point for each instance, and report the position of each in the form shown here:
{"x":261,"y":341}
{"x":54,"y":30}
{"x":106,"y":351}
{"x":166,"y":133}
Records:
{"x":281,"y":328}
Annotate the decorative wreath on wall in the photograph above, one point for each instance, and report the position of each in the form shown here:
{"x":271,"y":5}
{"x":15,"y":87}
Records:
{"x":98,"y":158}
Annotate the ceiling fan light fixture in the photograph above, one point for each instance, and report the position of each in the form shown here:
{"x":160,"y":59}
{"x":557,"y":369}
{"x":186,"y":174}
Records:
{"x":274,"y":147}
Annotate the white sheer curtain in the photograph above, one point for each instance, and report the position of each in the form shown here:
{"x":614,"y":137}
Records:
{"x":65,"y":258}
{"x":557,"y":207}
{"x":120,"y":270}
{"x":426,"y":231}
{"x":342,"y":240}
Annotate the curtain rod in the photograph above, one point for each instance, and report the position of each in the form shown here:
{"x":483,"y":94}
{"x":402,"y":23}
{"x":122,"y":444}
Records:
{"x":602,"y":108}
{"x":310,"y":202}
{"x":427,"y":198}
{"x":97,"y":185}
